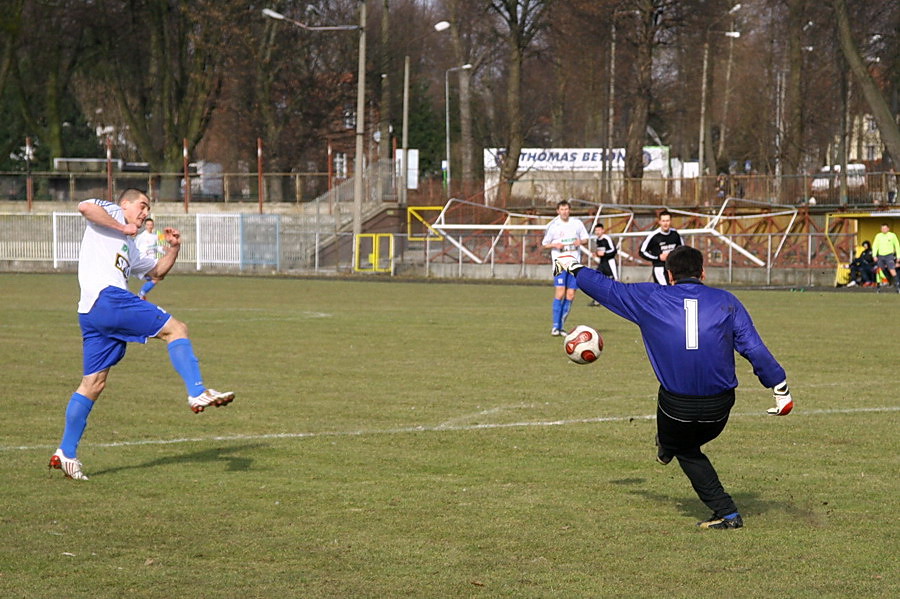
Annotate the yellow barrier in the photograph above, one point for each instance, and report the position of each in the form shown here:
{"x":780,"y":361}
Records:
{"x":373,"y":256}
{"x":414,"y":212}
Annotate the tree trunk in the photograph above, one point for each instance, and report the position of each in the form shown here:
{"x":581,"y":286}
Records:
{"x":640,"y":111}
{"x":467,"y":141}
{"x":793,"y":109}
{"x":510,"y":164}
{"x":887,"y":126}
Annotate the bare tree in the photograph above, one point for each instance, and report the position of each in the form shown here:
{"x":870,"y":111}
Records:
{"x":163,"y":63}
{"x":522,"y":21}
{"x":45,"y":60}
{"x":650,"y":23}
{"x":881,"y":111}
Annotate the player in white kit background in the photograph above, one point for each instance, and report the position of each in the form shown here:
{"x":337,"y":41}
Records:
{"x":111,"y":316}
{"x":563,"y":237}
{"x":151,"y":244}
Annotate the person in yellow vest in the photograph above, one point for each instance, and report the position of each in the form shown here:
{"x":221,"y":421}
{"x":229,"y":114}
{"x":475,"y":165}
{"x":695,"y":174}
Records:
{"x":886,"y":248}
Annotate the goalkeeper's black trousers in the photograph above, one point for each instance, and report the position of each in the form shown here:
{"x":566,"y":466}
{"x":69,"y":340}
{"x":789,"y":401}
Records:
{"x":684,"y":424}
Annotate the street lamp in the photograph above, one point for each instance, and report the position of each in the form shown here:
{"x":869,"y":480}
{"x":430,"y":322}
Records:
{"x":404,"y":154}
{"x":464,"y":67}
{"x":701,"y":165}
{"x":360,"y":104}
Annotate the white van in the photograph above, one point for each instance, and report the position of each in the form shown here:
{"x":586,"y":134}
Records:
{"x":828,"y":179}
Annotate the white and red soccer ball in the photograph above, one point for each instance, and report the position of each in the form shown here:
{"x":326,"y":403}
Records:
{"x":583,"y":344}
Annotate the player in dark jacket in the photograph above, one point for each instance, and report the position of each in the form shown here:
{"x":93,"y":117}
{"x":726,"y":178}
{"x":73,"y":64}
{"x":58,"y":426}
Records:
{"x":691,"y":332}
{"x":604,"y":253}
{"x":658,"y":244}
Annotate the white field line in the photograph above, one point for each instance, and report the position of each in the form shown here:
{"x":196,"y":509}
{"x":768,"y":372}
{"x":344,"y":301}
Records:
{"x":432,"y":429}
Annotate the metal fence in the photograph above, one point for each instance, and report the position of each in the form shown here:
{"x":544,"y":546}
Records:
{"x":531,"y":190}
{"x":285,"y":244}
{"x":541,"y":189}
{"x":296,"y":188}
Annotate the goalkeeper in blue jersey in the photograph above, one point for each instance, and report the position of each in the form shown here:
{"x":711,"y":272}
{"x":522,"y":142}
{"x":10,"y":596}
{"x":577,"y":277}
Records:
{"x":690,"y":332}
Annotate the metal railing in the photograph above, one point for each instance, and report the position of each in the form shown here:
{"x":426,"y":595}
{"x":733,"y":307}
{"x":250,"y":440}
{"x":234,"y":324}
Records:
{"x":532,"y":190}
{"x":287,"y":244}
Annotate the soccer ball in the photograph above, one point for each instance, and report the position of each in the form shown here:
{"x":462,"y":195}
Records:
{"x":583,"y":344}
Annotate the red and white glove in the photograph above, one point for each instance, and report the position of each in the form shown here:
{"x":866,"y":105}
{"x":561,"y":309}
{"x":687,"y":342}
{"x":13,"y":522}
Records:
{"x":784,"y":403}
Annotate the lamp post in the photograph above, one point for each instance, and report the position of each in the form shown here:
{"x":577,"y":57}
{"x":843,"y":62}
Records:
{"x":447,"y":113}
{"x":404,"y":154}
{"x":360,"y":104}
{"x":701,"y":165}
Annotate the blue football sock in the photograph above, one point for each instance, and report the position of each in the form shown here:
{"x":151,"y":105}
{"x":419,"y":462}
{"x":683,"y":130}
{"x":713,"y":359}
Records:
{"x":557,"y":313}
{"x":146,"y":288}
{"x":186,"y":364}
{"x":567,"y":305}
{"x":76,"y":421}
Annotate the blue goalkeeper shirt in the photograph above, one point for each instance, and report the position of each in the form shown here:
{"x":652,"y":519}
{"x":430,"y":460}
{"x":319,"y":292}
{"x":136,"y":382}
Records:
{"x":690,"y":332}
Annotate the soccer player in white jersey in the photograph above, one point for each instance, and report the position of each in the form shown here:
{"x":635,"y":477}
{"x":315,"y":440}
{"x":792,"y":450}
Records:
{"x":111,"y":316}
{"x":150,"y":244}
{"x":563,"y":237}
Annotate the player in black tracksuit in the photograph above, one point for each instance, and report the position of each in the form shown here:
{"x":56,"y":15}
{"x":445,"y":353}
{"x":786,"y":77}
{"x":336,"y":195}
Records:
{"x":658,"y":244}
{"x":605,"y":251}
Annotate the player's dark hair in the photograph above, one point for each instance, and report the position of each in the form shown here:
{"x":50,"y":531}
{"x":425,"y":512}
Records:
{"x":562,"y":203}
{"x":685,"y":262}
{"x":131,"y":194}
{"x":663,"y":212}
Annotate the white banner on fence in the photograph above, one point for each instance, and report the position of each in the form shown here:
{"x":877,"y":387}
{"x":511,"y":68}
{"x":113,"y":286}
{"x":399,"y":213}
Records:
{"x":576,"y":159}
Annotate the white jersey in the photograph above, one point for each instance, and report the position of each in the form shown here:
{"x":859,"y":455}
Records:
{"x":107,"y":258}
{"x":566,"y":232}
{"x":148,"y":244}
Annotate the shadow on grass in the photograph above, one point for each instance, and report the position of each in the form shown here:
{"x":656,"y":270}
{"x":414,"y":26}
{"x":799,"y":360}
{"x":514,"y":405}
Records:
{"x":748,"y":502}
{"x":234,"y":463}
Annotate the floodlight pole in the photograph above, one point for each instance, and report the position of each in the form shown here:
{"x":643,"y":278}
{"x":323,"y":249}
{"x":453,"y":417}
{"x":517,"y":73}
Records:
{"x":404,"y":154}
{"x":360,"y":106}
{"x":360,"y":130}
{"x":29,"y":181}
{"x":404,"y":142}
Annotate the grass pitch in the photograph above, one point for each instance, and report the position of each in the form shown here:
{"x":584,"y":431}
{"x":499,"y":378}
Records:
{"x":397,"y":439}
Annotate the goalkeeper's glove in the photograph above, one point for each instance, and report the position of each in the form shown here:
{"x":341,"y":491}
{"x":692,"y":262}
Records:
{"x":784,"y":403}
{"x":569,"y":264}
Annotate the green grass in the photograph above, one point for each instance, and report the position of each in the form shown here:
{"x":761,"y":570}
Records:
{"x":431,"y":440}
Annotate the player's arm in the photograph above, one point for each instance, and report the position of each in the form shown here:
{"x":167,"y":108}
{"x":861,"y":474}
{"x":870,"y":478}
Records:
{"x":611,"y":249}
{"x":766,"y":368}
{"x":97,"y":214}
{"x":649,"y":247}
{"x":165,"y":264}
{"x":547,"y":242}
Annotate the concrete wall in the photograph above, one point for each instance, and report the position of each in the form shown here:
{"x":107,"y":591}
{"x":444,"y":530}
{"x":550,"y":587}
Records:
{"x":755,"y":277}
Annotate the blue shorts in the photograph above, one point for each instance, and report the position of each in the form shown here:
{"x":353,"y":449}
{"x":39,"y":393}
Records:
{"x":566,"y":280}
{"x":117,"y":317}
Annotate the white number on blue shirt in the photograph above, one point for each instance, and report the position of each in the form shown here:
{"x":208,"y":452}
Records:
{"x":691,"y":324}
